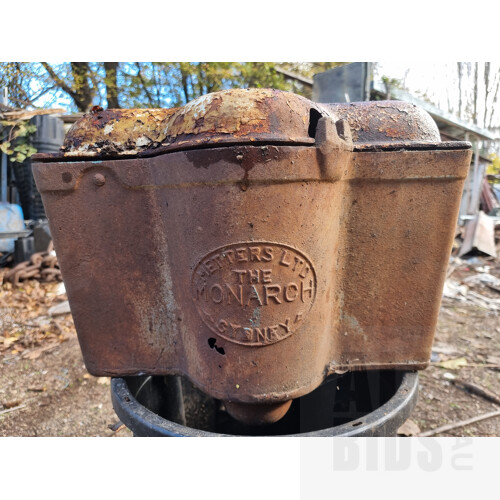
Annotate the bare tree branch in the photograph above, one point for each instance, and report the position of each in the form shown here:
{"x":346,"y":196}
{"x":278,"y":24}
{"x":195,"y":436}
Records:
{"x":144,"y":86}
{"x":486,"y":90}
{"x":475,"y":92}
{"x":495,"y":99}
{"x":59,"y":81}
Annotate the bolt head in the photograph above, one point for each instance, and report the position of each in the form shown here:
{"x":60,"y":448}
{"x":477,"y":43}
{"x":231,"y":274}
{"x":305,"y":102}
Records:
{"x":99,"y":180}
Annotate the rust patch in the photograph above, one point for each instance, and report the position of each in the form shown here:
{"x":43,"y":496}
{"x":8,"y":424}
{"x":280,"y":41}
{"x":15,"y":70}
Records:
{"x":228,"y":116}
{"x":382,"y":122}
{"x":242,"y":115}
{"x":116,"y":132}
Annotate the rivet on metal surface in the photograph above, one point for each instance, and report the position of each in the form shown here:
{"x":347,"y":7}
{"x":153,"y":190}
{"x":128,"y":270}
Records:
{"x":99,"y":180}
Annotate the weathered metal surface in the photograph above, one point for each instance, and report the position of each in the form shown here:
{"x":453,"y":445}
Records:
{"x":116,"y":132}
{"x":386,"y":122}
{"x":229,"y":116}
{"x":244,"y":116}
{"x":257,"y":270}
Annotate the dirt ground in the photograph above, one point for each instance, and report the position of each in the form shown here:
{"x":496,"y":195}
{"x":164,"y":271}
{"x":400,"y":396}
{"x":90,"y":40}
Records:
{"x":45,"y":389}
{"x":472,"y":333}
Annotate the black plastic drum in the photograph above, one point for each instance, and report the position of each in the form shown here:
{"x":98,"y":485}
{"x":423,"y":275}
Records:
{"x":367,"y":403}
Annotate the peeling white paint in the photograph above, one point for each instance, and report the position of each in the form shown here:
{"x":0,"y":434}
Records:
{"x":142,"y":141}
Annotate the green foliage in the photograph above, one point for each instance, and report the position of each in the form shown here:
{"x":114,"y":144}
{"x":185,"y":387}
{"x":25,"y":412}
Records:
{"x":14,"y":140}
{"x":494,"y":167}
{"x":172,"y":84}
{"x":144,"y":84}
{"x":391,"y":82}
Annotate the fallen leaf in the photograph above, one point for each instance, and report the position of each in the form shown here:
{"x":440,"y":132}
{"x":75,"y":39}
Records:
{"x":409,"y":428}
{"x":7,"y":341}
{"x":11,"y":404}
{"x":453,"y":364}
{"x":103,"y":380}
{"x":35,"y":353}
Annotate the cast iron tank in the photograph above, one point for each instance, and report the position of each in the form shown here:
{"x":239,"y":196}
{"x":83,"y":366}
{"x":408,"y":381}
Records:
{"x":253,"y":241}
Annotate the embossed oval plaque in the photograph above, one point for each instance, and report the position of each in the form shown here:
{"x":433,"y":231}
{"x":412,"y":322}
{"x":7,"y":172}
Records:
{"x":254,"y":293}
